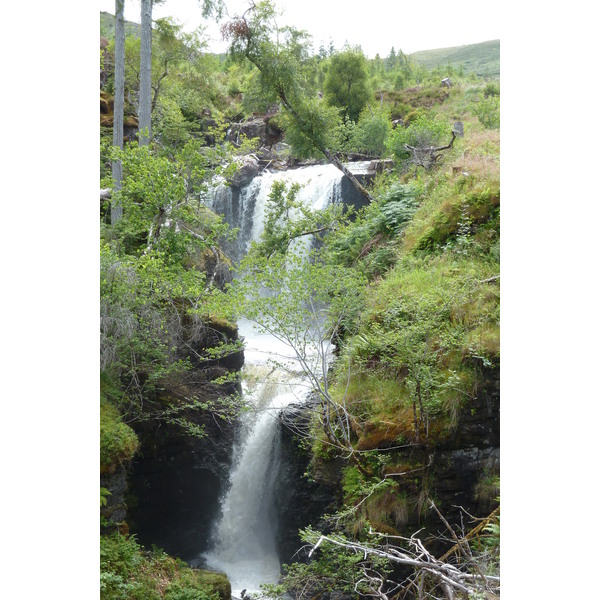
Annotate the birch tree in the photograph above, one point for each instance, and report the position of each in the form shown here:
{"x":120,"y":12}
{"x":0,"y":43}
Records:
{"x":116,"y":212}
{"x":146,"y":101}
{"x":278,"y":54}
{"x":145,"y":104}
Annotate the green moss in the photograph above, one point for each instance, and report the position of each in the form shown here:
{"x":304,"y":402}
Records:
{"x":223,"y":325}
{"x":118,"y":442}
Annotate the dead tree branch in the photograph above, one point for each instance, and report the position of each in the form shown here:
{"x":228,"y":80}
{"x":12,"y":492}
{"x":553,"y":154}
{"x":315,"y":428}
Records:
{"x":427,"y":156}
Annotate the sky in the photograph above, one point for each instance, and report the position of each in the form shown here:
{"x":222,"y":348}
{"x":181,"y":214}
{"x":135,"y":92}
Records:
{"x":376,"y":26}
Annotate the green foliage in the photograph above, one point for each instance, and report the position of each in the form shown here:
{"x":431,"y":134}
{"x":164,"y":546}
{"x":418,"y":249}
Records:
{"x":423,"y":132}
{"x":492,"y":88}
{"x":372,"y":131}
{"x":281,"y":55}
{"x":398,"y":205}
{"x":331,"y":568}
{"x":360,"y":243}
{"x":289,"y":222}
{"x":171,"y":127}
{"x":488,"y":112}
{"x":104,"y":493}
{"x":451,"y":214}
{"x":312,"y":127}
{"x":156,"y":281}
{"x":347,"y":83}
{"x":127,"y":571}
{"x":118,"y":442}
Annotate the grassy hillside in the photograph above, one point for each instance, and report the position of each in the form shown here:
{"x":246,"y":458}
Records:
{"x":482,"y":59}
{"x":107,"y":26}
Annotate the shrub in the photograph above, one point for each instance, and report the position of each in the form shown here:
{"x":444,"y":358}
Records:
{"x":127,"y":571}
{"x":371,"y":132}
{"x":423,"y":132}
{"x":491,"y":88}
{"x":488,"y":112}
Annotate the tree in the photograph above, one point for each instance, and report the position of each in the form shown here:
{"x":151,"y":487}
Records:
{"x":372,"y":131}
{"x":347,"y":83}
{"x":145,"y":105}
{"x":159,"y":342}
{"x":116,"y":213}
{"x":147,"y":102}
{"x":303,"y":301}
{"x":279,"y":55}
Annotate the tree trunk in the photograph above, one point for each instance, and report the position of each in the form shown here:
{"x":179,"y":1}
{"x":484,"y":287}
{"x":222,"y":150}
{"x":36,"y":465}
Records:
{"x":116,"y":211}
{"x":334,"y":160}
{"x":145,"y":106}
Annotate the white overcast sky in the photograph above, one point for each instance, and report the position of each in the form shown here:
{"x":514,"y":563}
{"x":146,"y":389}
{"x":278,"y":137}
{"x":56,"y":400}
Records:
{"x":376,"y":25}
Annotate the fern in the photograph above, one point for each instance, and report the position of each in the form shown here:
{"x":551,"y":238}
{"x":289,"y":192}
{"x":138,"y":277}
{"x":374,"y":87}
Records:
{"x":398,"y":205}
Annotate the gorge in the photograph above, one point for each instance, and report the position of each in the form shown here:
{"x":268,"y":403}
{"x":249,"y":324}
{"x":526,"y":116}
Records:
{"x":239,"y":509}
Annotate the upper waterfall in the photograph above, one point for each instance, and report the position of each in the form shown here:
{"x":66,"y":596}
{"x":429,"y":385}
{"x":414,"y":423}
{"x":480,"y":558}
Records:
{"x":244,"y":208}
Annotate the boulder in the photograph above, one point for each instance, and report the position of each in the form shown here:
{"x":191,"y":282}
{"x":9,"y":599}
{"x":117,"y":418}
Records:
{"x":248,"y":168}
{"x":258,"y":127}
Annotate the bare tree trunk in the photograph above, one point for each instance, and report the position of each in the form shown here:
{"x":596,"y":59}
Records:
{"x":116,"y":211}
{"x":145,"y":107}
{"x":334,"y":160}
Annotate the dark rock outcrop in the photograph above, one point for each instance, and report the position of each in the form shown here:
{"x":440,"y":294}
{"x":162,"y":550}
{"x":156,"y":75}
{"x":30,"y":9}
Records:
{"x":301,"y":500}
{"x":115,"y":509}
{"x":177,"y":479}
{"x":258,"y":127}
{"x":175,"y":486}
{"x":248,"y":168}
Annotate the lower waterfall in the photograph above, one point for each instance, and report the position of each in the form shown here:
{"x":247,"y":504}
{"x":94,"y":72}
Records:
{"x":244,"y":546}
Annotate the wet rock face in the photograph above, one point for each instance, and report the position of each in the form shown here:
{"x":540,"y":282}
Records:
{"x":462,"y":473}
{"x":176,"y":480}
{"x":300,"y":501}
{"x":115,"y":509}
{"x":466,"y":466}
{"x":248,"y":169}
{"x":174,"y":488}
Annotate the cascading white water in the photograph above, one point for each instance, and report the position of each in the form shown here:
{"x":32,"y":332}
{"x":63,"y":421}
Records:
{"x":244,"y":537}
{"x":245,"y":209}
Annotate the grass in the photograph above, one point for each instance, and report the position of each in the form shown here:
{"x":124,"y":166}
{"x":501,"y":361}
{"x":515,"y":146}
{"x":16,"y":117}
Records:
{"x":483,"y":59}
{"x":129,"y":571}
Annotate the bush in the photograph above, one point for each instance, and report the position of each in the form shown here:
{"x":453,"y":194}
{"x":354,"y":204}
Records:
{"x":488,"y":112}
{"x":128,"y":571}
{"x":423,"y":132}
{"x":491,"y":88}
{"x":371,"y":132}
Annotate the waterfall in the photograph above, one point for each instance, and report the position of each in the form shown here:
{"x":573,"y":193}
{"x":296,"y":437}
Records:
{"x":245,"y":208}
{"x":244,"y":538}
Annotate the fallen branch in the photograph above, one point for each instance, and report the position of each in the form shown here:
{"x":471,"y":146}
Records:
{"x":491,"y":279}
{"x":426,"y":156}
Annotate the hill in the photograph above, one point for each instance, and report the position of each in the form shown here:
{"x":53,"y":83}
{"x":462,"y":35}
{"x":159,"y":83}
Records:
{"x":482,"y":59}
{"x":107,"y":26}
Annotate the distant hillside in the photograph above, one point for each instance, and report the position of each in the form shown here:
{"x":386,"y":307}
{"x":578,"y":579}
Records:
{"x":482,"y":59}
{"x":107,"y":26}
